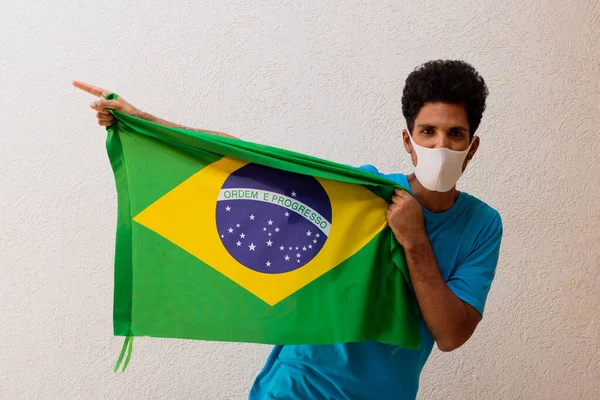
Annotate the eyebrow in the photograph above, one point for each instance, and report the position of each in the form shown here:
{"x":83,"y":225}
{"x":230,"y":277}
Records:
{"x":458,"y":127}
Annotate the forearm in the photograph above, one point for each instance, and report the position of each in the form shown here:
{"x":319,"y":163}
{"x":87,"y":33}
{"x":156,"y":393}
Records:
{"x":160,"y":121}
{"x":446,"y":316}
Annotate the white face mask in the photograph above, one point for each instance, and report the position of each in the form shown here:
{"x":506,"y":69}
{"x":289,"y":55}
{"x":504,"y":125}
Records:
{"x":438,"y":169}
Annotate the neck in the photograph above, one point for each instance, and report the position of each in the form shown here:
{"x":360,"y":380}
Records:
{"x":436,"y":202}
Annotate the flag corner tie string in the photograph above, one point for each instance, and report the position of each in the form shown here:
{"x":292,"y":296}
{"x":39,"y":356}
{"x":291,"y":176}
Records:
{"x":126,"y":351}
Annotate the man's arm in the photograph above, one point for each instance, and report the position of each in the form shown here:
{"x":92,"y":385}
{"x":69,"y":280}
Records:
{"x":152,"y":118}
{"x":105,"y":118}
{"x":450,"y":320}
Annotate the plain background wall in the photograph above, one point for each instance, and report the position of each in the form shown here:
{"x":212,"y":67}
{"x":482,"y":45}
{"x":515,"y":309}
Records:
{"x":320,"y":77}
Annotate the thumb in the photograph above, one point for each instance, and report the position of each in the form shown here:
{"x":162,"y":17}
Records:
{"x":104,"y":104}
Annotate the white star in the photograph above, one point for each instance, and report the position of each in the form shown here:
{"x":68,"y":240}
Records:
{"x":293,"y":194}
{"x":287,"y":258}
{"x":227,"y":208}
{"x":290,"y":247}
{"x":242,"y":236}
{"x":252,"y":246}
{"x":237,"y":225}
{"x":296,"y":247}
{"x":298,"y":255}
{"x":318,"y":235}
{"x":298,"y":260}
{"x":264,"y":229}
{"x":269,"y":243}
{"x":252,"y":217}
{"x":308,"y":233}
{"x":270,"y":222}
{"x":304,"y":248}
{"x":287,"y":214}
{"x":277,"y":229}
{"x":268,"y":264}
{"x":230,"y":230}
{"x":269,"y":233}
{"x":238,"y":243}
{"x":310,"y":246}
{"x":222,"y":236}
{"x":281,"y":248}
{"x":315,"y":241}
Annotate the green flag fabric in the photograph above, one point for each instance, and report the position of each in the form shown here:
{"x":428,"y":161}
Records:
{"x":224,"y":240}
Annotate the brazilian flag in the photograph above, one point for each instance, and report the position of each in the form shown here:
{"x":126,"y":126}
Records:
{"x":221,"y":239}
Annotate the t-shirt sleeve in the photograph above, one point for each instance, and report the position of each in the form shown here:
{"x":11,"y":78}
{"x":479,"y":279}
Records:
{"x":472,"y":280}
{"x":370,"y":168}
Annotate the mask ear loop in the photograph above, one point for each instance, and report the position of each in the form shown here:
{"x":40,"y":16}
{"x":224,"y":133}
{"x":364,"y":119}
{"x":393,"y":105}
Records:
{"x":412,"y":141}
{"x":413,"y":145}
{"x":469,"y":155}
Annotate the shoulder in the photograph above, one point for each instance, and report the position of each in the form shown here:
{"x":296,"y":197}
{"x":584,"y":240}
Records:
{"x":483,"y":219}
{"x":370,"y":168}
{"x":396,"y":177}
{"x":483,"y":211}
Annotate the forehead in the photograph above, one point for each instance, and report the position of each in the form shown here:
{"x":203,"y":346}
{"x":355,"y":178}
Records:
{"x":443,"y":115}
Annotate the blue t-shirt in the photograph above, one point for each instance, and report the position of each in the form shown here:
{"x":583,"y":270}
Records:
{"x":466,"y":242}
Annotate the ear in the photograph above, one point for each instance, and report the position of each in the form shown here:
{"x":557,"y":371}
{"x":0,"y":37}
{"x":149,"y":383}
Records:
{"x":471,"y":152}
{"x":474,"y":148}
{"x":406,"y":141}
{"x":409,"y":147}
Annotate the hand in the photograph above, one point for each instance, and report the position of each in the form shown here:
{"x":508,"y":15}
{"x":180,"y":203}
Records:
{"x":101,"y":106}
{"x":405,"y":217}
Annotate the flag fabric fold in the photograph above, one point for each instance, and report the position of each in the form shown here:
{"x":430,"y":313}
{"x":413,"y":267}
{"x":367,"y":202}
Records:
{"x":225,"y":240}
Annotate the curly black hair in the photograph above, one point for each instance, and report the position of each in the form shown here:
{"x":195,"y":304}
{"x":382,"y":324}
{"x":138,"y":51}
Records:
{"x":447,"y":81}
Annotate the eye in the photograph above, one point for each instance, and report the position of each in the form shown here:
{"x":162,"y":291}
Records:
{"x":427,"y":131}
{"x":456,"y":132}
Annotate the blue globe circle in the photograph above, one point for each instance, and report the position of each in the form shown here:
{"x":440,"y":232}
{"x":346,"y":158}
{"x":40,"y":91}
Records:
{"x":272,"y":221}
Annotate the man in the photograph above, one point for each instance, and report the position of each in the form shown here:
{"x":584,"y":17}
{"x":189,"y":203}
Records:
{"x":451,"y":242}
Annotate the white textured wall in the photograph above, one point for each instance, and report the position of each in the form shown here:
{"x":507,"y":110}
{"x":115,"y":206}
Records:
{"x":319,"y":77}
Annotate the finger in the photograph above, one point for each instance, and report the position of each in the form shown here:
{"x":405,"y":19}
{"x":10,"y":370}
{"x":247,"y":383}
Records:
{"x":105,"y":117}
{"x":102,"y":111}
{"x":106,"y":123}
{"x":91,"y":89}
{"x":397,"y":199}
{"x":401,"y":192}
{"x":104,"y":104}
